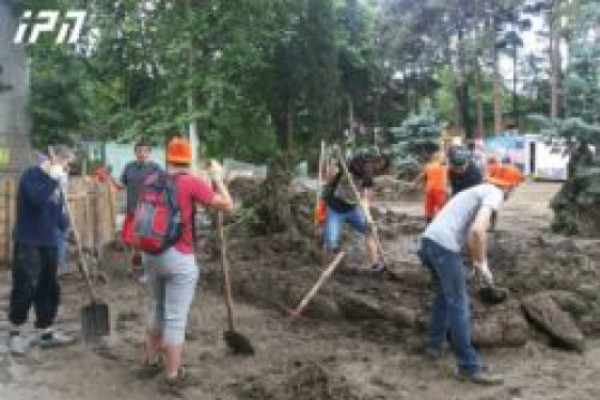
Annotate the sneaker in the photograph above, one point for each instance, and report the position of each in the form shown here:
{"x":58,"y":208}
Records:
{"x":54,"y":339}
{"x":18,"y":344}
{"x":149,"y":371}
{"x":175,"y":386}
{"x":481,"y":377}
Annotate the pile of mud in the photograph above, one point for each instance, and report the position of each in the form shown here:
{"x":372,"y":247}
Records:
{"x":276,"y":261}
{"x":309,"y":381}
{"x":274,"y":272}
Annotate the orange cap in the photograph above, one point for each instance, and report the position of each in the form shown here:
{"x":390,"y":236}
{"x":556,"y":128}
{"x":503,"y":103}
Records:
{"x":179,"y":151}
{"x":506,"y":177}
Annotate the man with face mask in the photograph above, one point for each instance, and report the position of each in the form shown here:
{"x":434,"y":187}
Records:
{"x":40,"y":225}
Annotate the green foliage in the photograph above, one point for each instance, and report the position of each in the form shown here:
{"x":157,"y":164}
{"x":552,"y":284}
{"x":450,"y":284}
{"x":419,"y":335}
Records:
{"x":577,"y":206}
{"x":415,"y":140}
{"x":582,"y":83}
{"x":573,"y":130}
{"x":263,"y":76}
{"x":59,"y":77}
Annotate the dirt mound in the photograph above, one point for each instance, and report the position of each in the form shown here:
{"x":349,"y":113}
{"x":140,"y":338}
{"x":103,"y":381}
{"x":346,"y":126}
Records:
{"x":543,"y":311}
{"x":309,"y":381}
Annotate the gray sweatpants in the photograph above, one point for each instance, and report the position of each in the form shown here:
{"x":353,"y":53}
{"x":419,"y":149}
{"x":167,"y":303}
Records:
{"x":172,"y":278}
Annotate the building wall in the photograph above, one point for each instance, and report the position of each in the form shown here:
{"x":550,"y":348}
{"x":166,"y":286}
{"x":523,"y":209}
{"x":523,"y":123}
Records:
{"x":14,"y":117}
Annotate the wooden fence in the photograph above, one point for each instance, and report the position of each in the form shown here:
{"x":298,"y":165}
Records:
{"x":92,"y":204}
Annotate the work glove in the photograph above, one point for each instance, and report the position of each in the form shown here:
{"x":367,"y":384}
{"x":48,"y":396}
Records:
{"x":484,"y":272}
{"x":215,"y":170}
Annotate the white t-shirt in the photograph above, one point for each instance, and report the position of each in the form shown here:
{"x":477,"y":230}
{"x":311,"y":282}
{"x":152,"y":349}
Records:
{"x":450,"y":228}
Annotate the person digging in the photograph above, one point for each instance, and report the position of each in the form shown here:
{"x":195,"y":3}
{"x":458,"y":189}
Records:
{"x":461,"y":224}
{"x":40,"y":227}
{"x":342,"y":208}
{"x":172,"y":270}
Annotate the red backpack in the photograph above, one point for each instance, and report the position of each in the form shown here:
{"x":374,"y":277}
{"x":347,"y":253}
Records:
{"x":157,"y":223}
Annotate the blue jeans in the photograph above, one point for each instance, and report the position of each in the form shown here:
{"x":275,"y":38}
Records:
{"x":450,"y":311}
{"x":335,"y":223}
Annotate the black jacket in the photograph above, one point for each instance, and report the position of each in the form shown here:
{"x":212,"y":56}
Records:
{"x":40,"y":210}
{"x":460,"y":181}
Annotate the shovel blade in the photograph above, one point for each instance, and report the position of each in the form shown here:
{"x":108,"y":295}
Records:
{"x":238,"y":343}
{"x":95,"y":321}
{"x":493,"y":295}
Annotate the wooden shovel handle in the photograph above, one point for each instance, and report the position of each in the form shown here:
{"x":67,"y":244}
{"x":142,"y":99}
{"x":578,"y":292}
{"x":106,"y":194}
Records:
{"x":313,"y":291}
{"x":82,"y":264}
{"x":225,"y":268}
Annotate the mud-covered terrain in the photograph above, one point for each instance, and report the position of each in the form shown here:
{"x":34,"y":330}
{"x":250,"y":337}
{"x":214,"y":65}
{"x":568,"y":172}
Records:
{"x":361,"y":337}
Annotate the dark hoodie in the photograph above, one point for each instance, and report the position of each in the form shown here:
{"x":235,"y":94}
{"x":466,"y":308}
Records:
{"x":41,"y":216}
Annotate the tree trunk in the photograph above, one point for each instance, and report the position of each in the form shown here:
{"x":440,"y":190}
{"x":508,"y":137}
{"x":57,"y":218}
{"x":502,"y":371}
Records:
{"x":497,"y":93}
{"x":462,"y":93}
{"x":554,"y":59}
{"x":515,"y":97}
{"x":479,"y":106}
{"x":289,"y":132}
{"x":193,"y":127}
{"x":480,"y":132}
{"x":350,"y":112}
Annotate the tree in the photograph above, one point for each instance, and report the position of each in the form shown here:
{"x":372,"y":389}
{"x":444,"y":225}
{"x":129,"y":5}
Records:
{"x":415,"y":141}
{"x":577,"y":205}
{"x":582,"y":83}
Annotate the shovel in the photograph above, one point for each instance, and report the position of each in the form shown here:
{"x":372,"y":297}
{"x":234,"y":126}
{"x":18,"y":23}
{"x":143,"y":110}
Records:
{"x":237,"y":342}
{"x":313,"y":291}
{"x":365,"y":209}
{"x":95,"y":319}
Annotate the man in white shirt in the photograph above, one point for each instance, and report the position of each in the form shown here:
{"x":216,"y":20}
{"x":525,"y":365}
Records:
{"x":462,"y":223}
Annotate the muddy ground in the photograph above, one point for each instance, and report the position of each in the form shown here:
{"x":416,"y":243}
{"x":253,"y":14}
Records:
{"x":361,"y":338}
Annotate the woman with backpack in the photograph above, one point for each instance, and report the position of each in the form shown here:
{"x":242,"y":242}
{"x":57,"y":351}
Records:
{"x":170,"y":260}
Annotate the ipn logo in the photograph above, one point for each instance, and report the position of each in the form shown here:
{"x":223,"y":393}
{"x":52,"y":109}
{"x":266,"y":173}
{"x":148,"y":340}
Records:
{"x":47,"y":21}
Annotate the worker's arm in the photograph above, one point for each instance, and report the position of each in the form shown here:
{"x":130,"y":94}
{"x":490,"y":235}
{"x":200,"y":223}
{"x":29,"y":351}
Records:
{"x":419,"y":179}
{"x":222,"y":199}
{"x":478,"y":235}
{"x":117,"y":185}
{"x":478,"y":242}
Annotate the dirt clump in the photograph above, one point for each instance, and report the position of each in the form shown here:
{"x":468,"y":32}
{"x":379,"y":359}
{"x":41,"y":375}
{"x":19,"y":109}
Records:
{"x":309,"y":381}
{"x":544,"y":313}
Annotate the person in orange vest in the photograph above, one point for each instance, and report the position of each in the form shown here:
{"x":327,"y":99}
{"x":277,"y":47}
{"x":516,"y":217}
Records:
{"x":435,"y":178}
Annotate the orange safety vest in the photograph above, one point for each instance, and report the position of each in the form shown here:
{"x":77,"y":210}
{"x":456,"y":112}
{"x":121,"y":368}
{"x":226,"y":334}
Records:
{"x":436,"y":177}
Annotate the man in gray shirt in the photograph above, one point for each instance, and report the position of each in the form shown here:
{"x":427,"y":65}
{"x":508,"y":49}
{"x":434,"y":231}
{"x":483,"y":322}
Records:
{"x":132,"y":178}
{"x":461,"y":224}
